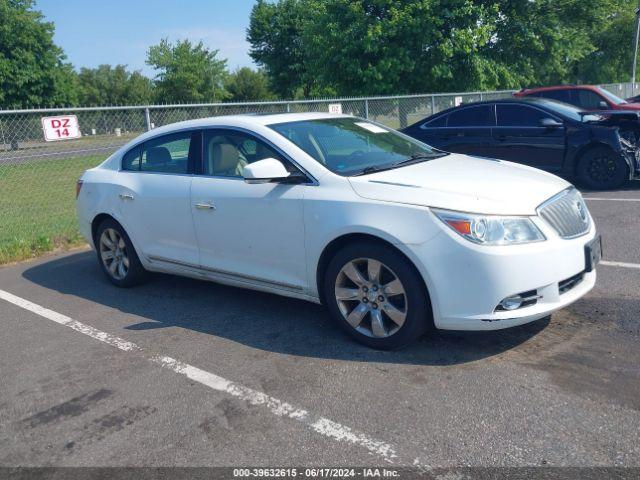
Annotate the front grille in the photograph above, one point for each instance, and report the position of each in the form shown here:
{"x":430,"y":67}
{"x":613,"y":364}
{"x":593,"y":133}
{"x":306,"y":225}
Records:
{"x":566,"y":213}
{"x":565,"y":285}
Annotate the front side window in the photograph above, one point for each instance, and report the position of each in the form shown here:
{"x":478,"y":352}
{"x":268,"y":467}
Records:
{"x":481,"y":116}
{"x":587,"y":99}
{"x":226,"y":153}
{"x":519,"y":116}
{"x":349,"y":146}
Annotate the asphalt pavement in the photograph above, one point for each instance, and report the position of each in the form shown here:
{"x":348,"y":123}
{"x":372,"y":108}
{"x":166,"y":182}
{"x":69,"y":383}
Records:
{"x":180,"y":372}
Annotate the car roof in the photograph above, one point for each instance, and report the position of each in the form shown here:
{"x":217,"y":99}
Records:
{"x":242,"y":121}
{"x":557,"y":87}
{"x":524,"y":101}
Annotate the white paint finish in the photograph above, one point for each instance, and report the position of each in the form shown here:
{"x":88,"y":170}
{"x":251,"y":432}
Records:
{"x":602,"y":199}
{"x":620,"y":264}
{"x":318,"y":424}
{"x":159,"y":215}
{"x":462,"y":183}
{"x":256,"y":230}
{"x":272,"y":235}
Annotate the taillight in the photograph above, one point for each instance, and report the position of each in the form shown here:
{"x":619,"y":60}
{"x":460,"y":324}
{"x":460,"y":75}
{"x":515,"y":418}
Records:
{"x":78,"y":187}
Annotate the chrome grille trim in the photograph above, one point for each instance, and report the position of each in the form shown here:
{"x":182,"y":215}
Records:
{"x":562,"y":213}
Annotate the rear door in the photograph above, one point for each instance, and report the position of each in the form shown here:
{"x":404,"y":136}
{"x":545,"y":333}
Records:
{"x":519,"y":136}
{"x":154,"y":197}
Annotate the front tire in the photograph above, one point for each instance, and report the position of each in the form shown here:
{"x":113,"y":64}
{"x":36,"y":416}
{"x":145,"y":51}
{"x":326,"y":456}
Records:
{"x":376,"y":295}
{"x":116,"y":255}
{"x":601,"y":168}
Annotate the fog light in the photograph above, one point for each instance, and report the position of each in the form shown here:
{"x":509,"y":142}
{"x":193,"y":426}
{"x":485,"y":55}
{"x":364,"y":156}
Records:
{"x":512,"y":303}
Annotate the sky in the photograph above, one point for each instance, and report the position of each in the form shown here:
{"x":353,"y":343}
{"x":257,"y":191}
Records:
{"x":120,"y":32}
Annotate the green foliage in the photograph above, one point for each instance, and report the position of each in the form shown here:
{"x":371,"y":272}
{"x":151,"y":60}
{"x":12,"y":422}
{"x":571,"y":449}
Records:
{"x":187,"y":72}
{"x":107,"y":85}
{"x":32,"y":68}
{"x":274,"y":33}
{"x":245,"y":85}
{"x":367,"y":47}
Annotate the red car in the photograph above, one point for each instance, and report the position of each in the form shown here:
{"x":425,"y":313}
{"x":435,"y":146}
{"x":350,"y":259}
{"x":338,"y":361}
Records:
{"x":585,"y":97}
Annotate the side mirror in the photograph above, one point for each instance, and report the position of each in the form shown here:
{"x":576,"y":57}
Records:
{"x":268,"y":170}
{"x":602,"y":105}
{"x":550,"y":123}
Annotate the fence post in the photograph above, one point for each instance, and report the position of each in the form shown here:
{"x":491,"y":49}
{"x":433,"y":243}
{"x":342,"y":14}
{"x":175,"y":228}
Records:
{"x":366,"y":108}
{"x":4,"y":140}
{"x":433,"y":104}
{"x":480,"y":96}
{"x":147,"y":118}
{"x":288,"y":108}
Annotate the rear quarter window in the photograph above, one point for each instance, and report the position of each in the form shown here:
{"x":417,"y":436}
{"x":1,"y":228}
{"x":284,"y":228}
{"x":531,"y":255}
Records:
{"x":131,"y":159}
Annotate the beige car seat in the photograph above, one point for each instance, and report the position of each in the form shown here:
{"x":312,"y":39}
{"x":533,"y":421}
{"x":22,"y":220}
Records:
{"x":225,"y":159}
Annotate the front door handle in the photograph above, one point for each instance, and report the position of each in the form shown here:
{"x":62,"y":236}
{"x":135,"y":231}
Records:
{"x":126,"y":196}
{"x":205,"y":206}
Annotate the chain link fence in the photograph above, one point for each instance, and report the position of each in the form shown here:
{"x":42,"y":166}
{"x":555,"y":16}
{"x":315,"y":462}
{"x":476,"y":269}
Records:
{"x":37,"y":178}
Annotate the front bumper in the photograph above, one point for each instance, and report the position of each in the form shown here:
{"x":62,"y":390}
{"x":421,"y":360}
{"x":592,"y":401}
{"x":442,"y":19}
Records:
{"x":466,"y":281}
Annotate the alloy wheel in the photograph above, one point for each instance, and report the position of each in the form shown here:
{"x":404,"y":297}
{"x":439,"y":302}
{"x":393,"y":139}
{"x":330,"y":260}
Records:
{"x":371,"y":297}
{"x":113,"y":252}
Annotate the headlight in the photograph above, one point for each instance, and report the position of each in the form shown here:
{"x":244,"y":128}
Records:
{"x":491,"y":229}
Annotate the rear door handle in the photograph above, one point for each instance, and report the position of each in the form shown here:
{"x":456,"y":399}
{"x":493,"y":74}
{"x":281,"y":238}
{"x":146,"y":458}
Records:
{"x":205,"y":206}
{"x":126,"y":196}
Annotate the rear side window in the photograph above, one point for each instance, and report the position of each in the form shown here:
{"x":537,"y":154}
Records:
{"x":481,"y":116}
{"x":519,"y":116}
{"x":559,"y":95}
{"x":441,"y":121}
{"x":587,"y":99}
{"x":165,"y":154}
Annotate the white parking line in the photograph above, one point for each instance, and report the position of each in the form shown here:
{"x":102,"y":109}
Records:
{"x":613,"y":199}
{"x":321,"y":425}
{"x":620,"y":264}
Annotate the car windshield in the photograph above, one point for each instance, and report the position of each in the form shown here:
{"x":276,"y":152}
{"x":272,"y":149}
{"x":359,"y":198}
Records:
{"x":352,"y":146}
{"x":612,"y":98}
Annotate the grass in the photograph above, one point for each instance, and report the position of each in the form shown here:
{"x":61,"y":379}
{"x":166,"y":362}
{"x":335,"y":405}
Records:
{"x":37,"y":206}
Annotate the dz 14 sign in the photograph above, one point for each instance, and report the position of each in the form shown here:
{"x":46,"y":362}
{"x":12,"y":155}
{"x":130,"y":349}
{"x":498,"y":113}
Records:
{"x":64,"y":127}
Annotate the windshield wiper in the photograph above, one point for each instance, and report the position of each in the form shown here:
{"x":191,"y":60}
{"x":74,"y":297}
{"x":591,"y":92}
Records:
{"x":415,"y":158}
{"x":419,"y":157}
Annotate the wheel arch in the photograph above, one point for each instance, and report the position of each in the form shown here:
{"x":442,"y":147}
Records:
{"x":343,"y":240}
{"x":582,"y":151}
{"x":95,"y":223}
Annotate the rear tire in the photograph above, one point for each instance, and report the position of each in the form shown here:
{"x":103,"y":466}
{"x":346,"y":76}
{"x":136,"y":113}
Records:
{"x":601,"y":168}
{"x":116,"y":255}
{"x":376,"y":296}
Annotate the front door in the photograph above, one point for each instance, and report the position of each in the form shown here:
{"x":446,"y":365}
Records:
{"x":250,"y":232}
{"x":520,"y":137}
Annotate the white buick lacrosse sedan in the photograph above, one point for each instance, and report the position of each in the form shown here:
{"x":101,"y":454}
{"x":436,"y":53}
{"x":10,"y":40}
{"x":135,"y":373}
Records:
{"x":393,"y":236}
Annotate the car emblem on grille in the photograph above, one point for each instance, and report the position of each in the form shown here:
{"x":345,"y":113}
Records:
{"x":582,"y":211}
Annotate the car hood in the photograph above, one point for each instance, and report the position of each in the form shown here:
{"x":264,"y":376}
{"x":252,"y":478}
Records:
{"x":463,"y":183}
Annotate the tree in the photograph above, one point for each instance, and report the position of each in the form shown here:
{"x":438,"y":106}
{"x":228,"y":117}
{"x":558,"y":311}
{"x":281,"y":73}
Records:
{"x":107,"y":85}
{"x":612,"y":56}
{"x":366,"y":47}
{"x":187,"y":72}
{"x":33,"y":71}
{"x":245,"y":85}
{"x":275,"y":35}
